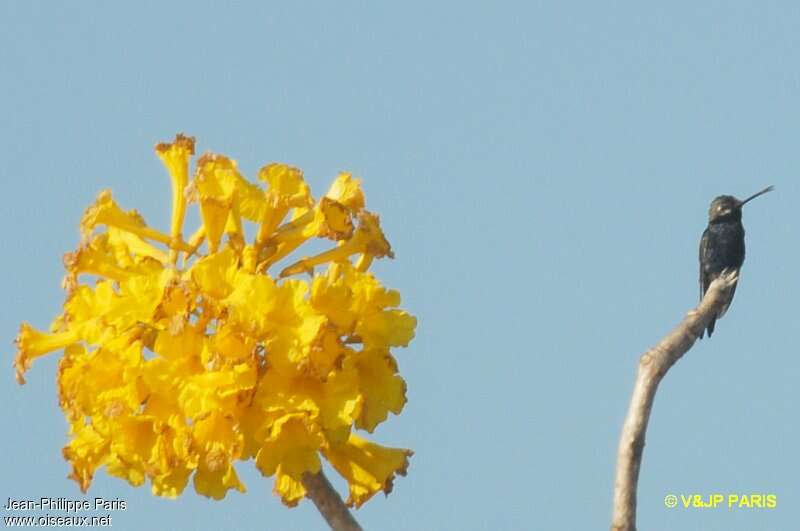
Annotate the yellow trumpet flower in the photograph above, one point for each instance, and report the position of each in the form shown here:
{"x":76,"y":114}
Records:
{"x":183,"y":358}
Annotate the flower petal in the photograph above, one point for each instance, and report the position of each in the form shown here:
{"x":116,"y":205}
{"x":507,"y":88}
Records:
{"x":290,"y":451}
{"x":175,"y":157}
{"x":382,"y":388}
{"x":32,"y":343}
{"x":347,"y":191}
{"x":368,"y":467}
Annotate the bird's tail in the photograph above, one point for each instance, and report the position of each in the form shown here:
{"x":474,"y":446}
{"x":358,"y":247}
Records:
{"x":721,"y":313}
{"x":711,"y":326}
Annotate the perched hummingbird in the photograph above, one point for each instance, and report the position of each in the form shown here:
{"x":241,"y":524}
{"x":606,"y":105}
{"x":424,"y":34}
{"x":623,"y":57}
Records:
{"x":722,"y":244}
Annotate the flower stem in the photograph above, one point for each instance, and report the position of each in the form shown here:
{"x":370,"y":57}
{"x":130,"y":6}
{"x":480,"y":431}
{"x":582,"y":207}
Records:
{"x":329,"y":503}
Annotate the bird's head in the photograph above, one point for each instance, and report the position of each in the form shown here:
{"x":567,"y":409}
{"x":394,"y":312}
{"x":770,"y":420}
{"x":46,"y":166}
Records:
{"x":725,"y":208}
{"x":728,"y":208}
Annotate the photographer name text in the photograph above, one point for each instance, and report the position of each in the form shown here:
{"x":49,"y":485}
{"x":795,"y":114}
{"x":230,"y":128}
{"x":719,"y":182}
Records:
{"x":65,"y":505}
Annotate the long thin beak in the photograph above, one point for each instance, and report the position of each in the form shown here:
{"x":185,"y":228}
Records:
{"x":762,"y":192}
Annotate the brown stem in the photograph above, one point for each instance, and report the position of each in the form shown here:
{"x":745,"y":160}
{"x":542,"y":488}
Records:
{"x":329,"y":503}
{"x":653,"y":365}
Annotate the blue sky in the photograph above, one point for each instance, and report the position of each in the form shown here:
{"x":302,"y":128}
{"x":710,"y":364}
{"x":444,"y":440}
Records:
{"x":543,"y":171}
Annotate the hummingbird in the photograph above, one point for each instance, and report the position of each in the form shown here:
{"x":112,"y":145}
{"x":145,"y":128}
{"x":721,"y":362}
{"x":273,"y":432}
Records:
{"x":722,"y":244}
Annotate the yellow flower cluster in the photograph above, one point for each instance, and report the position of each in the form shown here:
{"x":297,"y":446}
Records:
{"x":186,"y":355}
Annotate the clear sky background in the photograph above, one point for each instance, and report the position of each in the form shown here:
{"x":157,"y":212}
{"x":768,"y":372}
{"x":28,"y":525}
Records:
{"x":543,"y":171}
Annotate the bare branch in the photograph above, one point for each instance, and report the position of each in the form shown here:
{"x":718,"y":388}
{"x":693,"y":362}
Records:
{"x":329,"y":503}
{"x":653,"y":365}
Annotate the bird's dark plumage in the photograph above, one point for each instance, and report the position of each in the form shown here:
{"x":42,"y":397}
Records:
{"x":722,"y":245}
